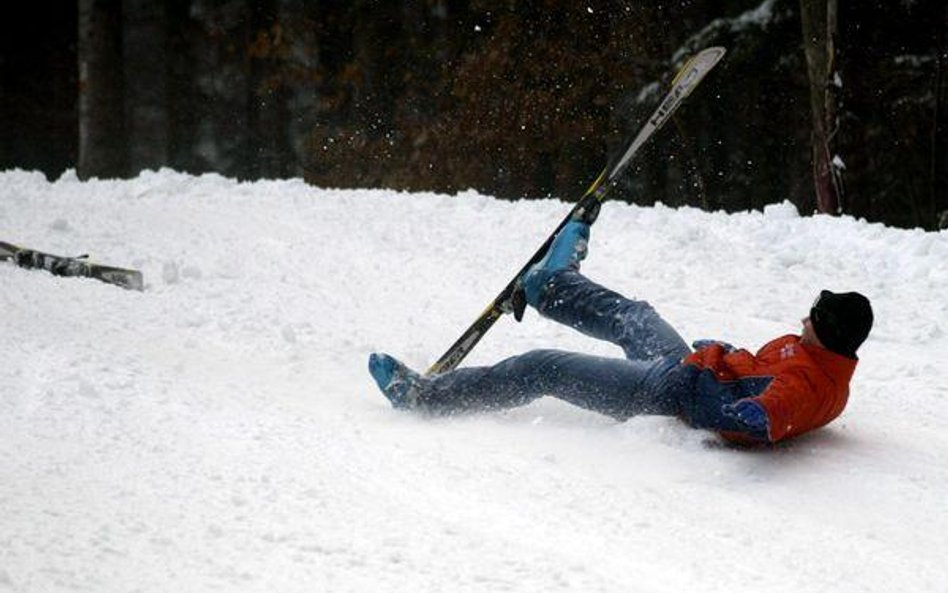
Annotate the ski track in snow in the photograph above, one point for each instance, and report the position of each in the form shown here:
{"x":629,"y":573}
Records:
{"x":219,"y":431}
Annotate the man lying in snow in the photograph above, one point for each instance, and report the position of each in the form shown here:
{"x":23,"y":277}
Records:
{"x":792,"y":385}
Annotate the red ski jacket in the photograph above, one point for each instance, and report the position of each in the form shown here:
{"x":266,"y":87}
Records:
{"x":800,"y":386}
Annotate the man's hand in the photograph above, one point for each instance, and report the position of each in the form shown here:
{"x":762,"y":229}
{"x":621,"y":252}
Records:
{"x":699,"y":344}
{"x":748,"y":413}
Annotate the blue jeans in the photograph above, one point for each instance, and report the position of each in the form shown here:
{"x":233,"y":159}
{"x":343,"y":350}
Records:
{"x":647,"y":381}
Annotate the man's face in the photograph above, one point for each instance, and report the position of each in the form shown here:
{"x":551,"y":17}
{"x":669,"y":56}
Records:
{"x":808,"y":335}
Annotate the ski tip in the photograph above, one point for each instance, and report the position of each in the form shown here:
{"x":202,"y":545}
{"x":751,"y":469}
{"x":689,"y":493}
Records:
{"x":699,"y":64}
{"x":714,"y":53}
{"x":136,"y":282}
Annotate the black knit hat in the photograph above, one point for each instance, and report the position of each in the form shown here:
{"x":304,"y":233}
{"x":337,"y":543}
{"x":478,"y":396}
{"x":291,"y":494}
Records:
{"x":841,"y":321}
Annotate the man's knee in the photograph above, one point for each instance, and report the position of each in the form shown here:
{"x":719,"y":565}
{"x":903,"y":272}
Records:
{"x":535,"y":361}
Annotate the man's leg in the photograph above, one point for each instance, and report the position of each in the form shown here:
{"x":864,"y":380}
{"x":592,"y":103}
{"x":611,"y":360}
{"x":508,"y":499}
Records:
{"x":557,"y":290}
{"x":618,"y":388}
{"x":611,"y":386}
{"x":572,"y":299}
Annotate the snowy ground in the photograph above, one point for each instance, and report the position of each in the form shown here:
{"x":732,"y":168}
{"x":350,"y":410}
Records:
{"x":219,"y":431}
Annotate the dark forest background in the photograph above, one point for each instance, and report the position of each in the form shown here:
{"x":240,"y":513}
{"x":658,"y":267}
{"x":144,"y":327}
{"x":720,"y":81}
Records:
{"x":837,"y":107}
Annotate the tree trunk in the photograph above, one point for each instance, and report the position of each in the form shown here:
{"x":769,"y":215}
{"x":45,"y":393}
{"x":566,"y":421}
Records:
{"x":181,"y":96}
{"x":819,"y":39}
{"x":375,"y":35}
{"x":145,"y":44}
{"x":267,"y":109}
{"x":102,"y":143}
{"x":301,"y":97}
{"x":939,"y":159}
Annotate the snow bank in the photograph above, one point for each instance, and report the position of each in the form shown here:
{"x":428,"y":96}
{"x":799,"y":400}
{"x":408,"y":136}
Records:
{"x":219,"y":430}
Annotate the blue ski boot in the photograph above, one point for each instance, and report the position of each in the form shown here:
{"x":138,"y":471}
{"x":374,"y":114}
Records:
{"x":397,"y":382}
{"x":568,"y":249}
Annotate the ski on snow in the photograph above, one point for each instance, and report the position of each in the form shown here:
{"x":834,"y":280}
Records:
{"x":71,"y":266}
{"x":511,"y":299}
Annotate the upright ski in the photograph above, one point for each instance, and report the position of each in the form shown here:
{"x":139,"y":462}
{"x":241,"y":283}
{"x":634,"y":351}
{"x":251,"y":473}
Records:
{"x":510,"y":299}
{"x":71,"y":266}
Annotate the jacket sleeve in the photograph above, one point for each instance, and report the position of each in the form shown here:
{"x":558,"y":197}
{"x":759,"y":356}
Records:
{"x":791,"y":403}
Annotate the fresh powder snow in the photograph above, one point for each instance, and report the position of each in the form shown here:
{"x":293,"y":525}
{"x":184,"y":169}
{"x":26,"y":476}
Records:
{"x":220,"y":431}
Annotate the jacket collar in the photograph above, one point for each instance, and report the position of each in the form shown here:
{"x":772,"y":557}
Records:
{"x":837,"y":366}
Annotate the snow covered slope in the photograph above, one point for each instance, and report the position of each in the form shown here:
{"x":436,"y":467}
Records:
{"x":219,"y":431}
